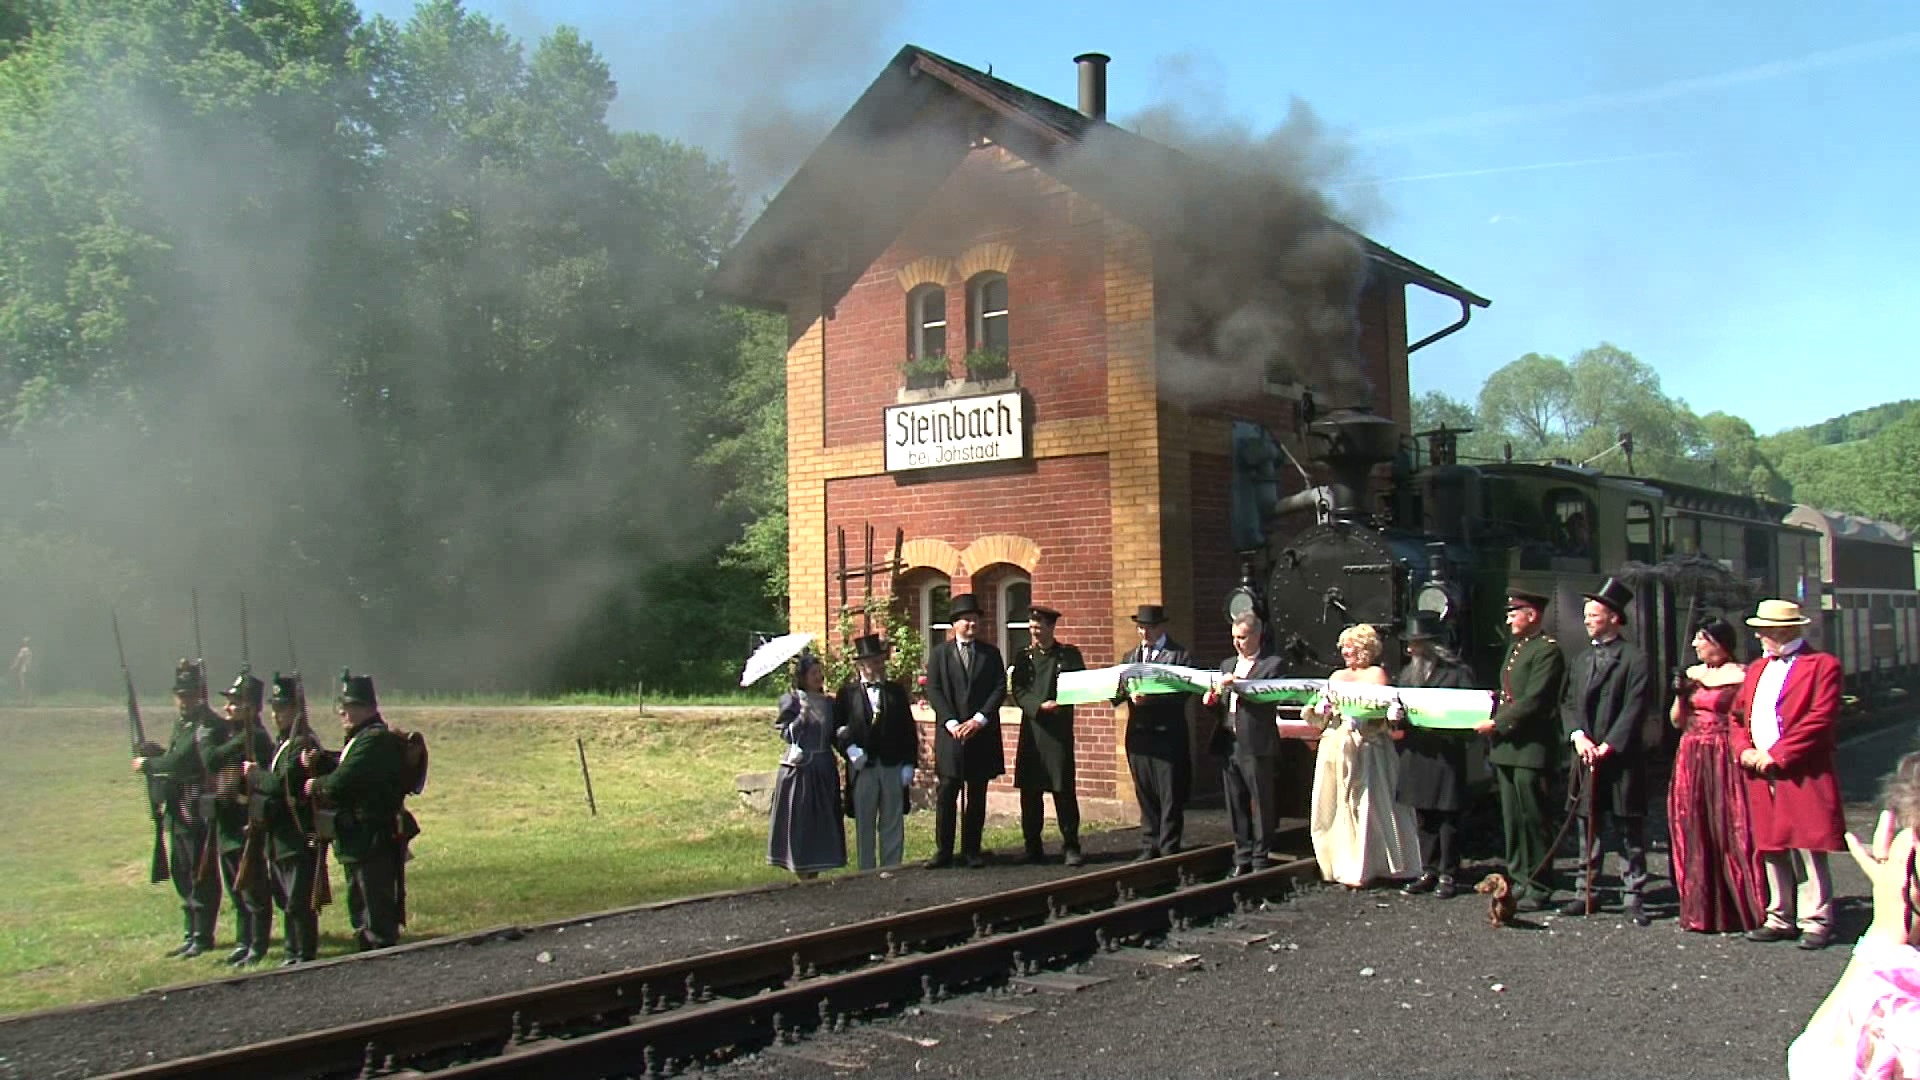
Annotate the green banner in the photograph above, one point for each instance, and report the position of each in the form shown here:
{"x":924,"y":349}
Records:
{"x":1432,"y":708}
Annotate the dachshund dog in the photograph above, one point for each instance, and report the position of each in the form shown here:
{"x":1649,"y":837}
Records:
{"x":1501,"y":902}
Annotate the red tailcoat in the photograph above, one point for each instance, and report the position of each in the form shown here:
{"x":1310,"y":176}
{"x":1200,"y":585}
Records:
{"x":1796,"y":805}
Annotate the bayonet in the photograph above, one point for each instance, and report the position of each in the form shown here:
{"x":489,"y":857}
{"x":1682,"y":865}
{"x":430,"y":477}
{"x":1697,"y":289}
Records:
{"x":137,"y":736}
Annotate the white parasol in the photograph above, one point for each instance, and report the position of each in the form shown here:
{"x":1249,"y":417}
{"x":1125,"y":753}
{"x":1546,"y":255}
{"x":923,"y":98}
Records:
{"x":771,"y":655}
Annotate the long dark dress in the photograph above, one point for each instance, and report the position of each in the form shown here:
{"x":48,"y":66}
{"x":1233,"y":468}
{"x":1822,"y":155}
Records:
{"x":1713,"y":861}
{"x":807,"y":833}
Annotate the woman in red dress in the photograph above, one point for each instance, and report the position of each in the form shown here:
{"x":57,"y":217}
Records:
{"x":1713,"y":863}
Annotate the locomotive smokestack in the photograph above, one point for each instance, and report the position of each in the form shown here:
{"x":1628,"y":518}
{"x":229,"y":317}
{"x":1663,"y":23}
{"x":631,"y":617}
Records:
{"x":1355,"y":443}
{"x":1093,"y":84}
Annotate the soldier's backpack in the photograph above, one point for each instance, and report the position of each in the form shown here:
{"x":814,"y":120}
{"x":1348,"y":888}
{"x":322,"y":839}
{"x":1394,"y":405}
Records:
{"x":413,"y":770}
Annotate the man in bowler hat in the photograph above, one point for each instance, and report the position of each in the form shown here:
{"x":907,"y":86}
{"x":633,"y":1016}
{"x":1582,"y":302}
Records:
{"x":365,"y":784}
{"x":1044,"y":760}
{"x":1159,"y":753}
{"x":1606,"y":701}
{"x":1523,"y":731}
{"x":966,"y":682}
{"x":881,"y":746}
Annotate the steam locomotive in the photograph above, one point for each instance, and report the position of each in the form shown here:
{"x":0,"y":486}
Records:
{"x":1381,"y":536}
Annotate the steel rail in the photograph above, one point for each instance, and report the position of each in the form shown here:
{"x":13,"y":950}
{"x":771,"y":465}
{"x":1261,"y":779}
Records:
{"x":493,"y":1023}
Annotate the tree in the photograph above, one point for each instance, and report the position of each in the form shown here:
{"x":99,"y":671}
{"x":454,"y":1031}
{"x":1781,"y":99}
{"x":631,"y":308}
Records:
{"x":1530,"y":400}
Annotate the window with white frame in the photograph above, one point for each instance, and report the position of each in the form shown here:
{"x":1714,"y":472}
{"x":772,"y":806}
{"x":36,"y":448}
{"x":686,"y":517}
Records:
{"x":1015,"y":601}
{"x":987,"y":312}
{"x":927,"y":322}
{"x":930,"y":601}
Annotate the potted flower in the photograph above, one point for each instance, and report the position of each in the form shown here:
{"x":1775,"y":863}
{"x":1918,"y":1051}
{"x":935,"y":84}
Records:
{"x":925,"y":372}
{"x":986,"y":364}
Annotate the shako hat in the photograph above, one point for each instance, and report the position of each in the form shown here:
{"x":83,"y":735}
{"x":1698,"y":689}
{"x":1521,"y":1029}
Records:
{"x":357,"y":689}
{"x":246,"y":688}
{"x":1614,"y":596}
{"x":1526,"y":598}
{"x":1423,"y":626}
{"x":962,"y":605}
{"x":868,"y":647}
{"x":1044,"y":612}
{"x":1150,"y":615}
{"x":285,"y":689}
{"x":186,"y":678}
{"x":1778,"y":613}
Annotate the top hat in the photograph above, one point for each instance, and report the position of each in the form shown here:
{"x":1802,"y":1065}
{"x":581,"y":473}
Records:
{"x":1523,"y":598}
{"x":1778,"y":613}
{"x":285,"y":689}
{"x":1044,"y":612}
{"x":962,"y":605}
{"x":1150,"y":615}
{"x":357,"y":689}
{"x":1423,"y":626}
{"x":1614,"y":596}
{"x":186,"y":678}
{"x":868,"y":647}
{"x":246,"y":688}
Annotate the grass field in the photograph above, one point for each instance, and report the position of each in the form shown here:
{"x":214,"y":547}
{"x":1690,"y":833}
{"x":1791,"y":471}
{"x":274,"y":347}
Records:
{"x":507,"y":837}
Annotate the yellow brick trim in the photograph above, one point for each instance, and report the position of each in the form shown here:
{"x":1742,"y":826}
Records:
{"x":924,"y":552}
{"x":1001,"y":548}
{"x":806,"y":488}
{"x":929,"y":270}
{"x":981,"y":258}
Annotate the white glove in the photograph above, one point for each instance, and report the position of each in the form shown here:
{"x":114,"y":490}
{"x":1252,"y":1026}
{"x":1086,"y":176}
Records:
{"x":1397,"y":712}
{"x":856,"y":756}
{"x":906,"y":774}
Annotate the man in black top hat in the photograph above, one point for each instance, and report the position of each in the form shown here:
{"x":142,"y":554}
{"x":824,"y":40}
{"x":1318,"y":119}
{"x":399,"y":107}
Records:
{"x":966,"y":682}
{"x":1606,"y":701}
{"x":1433,"y":764}
{"x":1159,"y":752}
{"x":241,"y":870}
{"x":1523,"y":731}
{"x":881,"y":746}
{"x":1044,"y":760}
{"x":190,"y":845}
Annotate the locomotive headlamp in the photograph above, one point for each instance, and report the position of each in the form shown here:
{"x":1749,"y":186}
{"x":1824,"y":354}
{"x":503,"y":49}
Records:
{"x":1241,"y":601}
{"x":1434,"y":597}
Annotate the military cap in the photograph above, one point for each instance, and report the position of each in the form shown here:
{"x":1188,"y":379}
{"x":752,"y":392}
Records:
{"x":1044,"y":612}
{"x":246,"y":688}
{"x":357,"y":689}
{"x":1524,"y":598}
{"x":186,"y":678}
{"x":286,"y":689}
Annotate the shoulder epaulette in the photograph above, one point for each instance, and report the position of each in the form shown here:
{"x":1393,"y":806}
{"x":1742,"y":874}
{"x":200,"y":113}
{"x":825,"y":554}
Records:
{"x":1548,"y":638}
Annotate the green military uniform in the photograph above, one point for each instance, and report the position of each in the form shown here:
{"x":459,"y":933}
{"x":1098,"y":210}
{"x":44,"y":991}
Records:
{"x":366,"y":788}
{"x":190,"y":843}
{"x":248,"y":892}
{"x":293,"y":855}
{"x":1525,"y":736}
{"x":1044,"y":760}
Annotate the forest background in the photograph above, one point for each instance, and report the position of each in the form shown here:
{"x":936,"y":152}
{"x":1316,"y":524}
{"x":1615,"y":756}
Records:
{"x":384,"y":326}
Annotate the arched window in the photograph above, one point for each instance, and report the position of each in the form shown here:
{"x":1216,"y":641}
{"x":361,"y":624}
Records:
{"x":927,"y":322}
{"x":987,"y":312}
{"x":928,"y":594}
{"x":1015,"y":596}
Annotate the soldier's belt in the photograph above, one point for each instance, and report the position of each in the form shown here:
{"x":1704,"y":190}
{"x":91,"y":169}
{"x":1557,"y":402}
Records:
{"x":1427,"y":707}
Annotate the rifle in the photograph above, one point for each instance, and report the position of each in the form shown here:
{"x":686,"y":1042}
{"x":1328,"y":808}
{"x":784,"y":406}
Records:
{"x":210,"y":846}
{"x":253,"y":855}
{"x":322,"y":885}
{"x":156,"y":787}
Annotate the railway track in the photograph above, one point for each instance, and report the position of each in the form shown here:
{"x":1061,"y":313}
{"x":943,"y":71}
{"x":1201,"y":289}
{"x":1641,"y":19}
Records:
{"x":656,"y":1019}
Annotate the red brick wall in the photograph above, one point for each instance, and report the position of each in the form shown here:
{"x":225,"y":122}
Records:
{"x":1056,"y":300}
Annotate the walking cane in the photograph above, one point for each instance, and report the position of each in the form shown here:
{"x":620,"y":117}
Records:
{"x":1591,"y":868}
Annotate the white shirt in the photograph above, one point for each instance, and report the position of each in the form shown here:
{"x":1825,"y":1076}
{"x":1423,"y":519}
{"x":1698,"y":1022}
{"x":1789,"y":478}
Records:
{"x":1766,"y":696}
{"x":1241,"y":665}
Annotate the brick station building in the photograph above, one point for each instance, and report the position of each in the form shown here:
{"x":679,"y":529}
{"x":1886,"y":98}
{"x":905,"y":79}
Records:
{"x":950,"y":214}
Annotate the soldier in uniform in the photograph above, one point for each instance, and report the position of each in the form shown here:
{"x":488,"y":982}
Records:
{"x":1044,"y":760}
{"x":364,"y":784}
{"x":1524,"y":731}
{"x":1159,"y":750}
{"x":293,"y":856}
{"x":190,"y":854}
{"x":241,"y":869}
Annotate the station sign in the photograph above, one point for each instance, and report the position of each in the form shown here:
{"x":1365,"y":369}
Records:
{"x":956,"y":431}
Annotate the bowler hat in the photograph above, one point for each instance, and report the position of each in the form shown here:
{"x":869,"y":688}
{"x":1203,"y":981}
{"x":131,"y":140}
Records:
{"x":1044,"y":612}
{"x":1150,"y":615}
{"x":357,"y":689}
{"x":245,"y":687}
{"x":285,"y":689}
{"x":1423,"y":626}
{"x":186,"y":678}
{"x":1524,"y":598}
{"x":963,"y":604}
{"x":868,"y":646}
{"x":1778,"y":613}
{"x":1614,"y":596}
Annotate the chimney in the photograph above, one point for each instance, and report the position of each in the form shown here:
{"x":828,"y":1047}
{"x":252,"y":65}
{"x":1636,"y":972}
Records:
{"x":1093,"y":84}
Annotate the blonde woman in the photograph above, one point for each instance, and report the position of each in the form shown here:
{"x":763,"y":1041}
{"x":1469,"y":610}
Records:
{"x":1359,"y":831}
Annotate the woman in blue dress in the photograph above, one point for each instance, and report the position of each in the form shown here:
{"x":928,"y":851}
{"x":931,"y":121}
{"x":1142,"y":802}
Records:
{"x":808,"y":833}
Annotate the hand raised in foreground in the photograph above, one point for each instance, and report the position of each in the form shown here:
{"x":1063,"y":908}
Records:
{"x":1888,"y":862}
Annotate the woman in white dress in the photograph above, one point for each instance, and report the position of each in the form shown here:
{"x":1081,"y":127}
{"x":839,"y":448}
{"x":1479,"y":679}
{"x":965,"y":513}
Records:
{"x":1359,"y":831}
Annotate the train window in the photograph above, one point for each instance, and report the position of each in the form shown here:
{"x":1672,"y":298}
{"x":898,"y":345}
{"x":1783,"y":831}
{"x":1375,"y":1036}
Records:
{"x":987,"y":312}
{"x":1571,"y":516}
{"x":927,"y":322}
{"x":1683,"y":536}
{"x":1640,"y":526}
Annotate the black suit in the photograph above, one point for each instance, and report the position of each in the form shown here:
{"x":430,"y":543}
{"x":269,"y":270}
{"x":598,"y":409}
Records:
{"x":1159,"y":754}
{"x":1433,"y":772}
{"x":958,"y":692}
{"x":1247,"y":770}
{"x":1606,"y":697}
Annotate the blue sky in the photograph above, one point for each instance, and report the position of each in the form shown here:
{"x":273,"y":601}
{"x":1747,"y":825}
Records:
{"x":1728,"y":191}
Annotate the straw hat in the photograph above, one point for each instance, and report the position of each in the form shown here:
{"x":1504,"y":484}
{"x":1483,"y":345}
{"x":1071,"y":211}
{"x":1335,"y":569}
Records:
{"x":1778,"y":613}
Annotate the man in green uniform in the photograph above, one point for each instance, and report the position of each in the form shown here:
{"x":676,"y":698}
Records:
{"x":293,"y":856}
{"x":1044,"y":761}
{"x":243,"y":740}
{"x":1525,"y":733}
{"x":189,"y":830}
{"x":364,"y":784}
